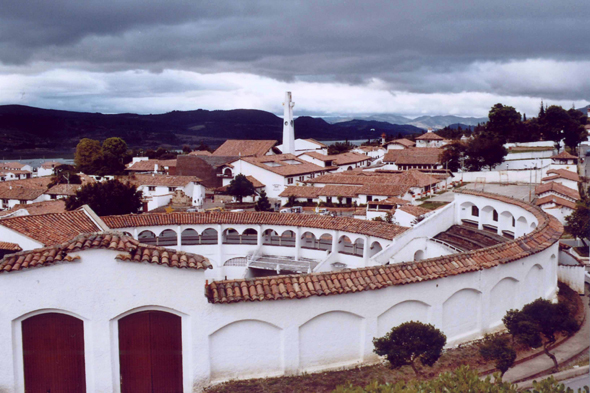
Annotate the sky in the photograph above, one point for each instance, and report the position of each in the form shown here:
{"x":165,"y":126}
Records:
{"x":338,"y":58}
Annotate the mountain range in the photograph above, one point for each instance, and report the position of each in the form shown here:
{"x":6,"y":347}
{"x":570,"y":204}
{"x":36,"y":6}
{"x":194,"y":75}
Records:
{"x":29,"y":128}
{"x":425,"y":122}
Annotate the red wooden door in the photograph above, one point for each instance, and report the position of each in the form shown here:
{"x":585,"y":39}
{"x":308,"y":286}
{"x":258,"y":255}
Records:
{"x":53,"y":354}
{"x":150,"y":352}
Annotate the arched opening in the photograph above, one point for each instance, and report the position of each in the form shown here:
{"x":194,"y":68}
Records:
{"x":53,"y":353}
{"x":167,"y":238}
{"x":288,"y":239}
{"x":345,"y":245}
{"x":150,"y":352}
{"x":358,"y":247}
{"x":147,"y":237}
{"x":325,"y":242}
{"x":227,"y":172}
{"x":469,"y":214}
{"x":349,"y":168}
{"x":189,"y":237}
{"x":507,"y":225}
{"x":308,"y":240}
{"x":270,"y":238}
{"x":375,"y":249}
{"x":521,"y":226}
{"x":239,"y":261}
{"x":533,"y":226}
{"x":250,"y":236}
{"x":209,"y":236}
{"x":128,"y":234}
{"x":231,"y":236}
{"x":490,"y":219}
{"x":419,"y":255}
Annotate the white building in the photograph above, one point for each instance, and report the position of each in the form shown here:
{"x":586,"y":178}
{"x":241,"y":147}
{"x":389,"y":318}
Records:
{"x":343,"y":161}
{"x":430,"y":139}
{"x":209,"y":307}
{"x":399,"y":144}
{"x":47,"y":168}
{"x":158,"y":190}
{"x":567,"y":178}
{"x":13,"y":195}
{"x":307,"y":145}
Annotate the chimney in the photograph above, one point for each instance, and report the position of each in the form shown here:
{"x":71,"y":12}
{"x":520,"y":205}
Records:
{"x":155,"y":168}
{"x":383,"y":136}
{"x":288,"y":125}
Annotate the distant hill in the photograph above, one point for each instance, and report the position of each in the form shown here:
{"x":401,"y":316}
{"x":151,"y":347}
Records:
{"x":23,"y":127}
{"x":438,"y":122}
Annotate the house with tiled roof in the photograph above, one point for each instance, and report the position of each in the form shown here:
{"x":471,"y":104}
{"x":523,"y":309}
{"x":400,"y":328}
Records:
{"x":158,"y":189}
{"x":557,"y":199}
{"x":373,"y":152}
{"x":145,"y":165}
{"x":563,"y":176}
{"x":267,"y":287}
{"x":307,"y":145}
{"x":413,"y":158}
{"x":15,"y":171}
{"x":276,"y":171}
{"x":557,"y":189}
{"x":245,"y":148}
{"x":11,"y":196}
{"x":48,"y":168}
{"x":210,"y":169}
{"x":343,"y":161}
{"x":33,"y":209}
{"x":399,"y":144}
{"x":564,"y":158}
{"x":430,"y":139}
{"x":61,"y":191}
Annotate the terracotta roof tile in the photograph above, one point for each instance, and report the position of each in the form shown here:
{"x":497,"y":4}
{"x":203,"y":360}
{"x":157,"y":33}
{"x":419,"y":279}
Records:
{"x":244,"y":148}
{"x":64,"y":189}
{"x":564,"y":155}
{"x":131,"y":249}
{"x":547,"y":233}
{"x":51,"y":229}
{"x":50,"y":164}
{"x":403,"y":141}
{"x":414,"y":156}
{"x":162,"y":180}
{"x":6,"y":246}
{"x":563,"y":174}
{"x":20,"y":193}
{"x":150,"y":165}
{"x":44,"y":207}
{"x":346,"y":224}
{"x":557,"y":188}
{"x":430,"y":136}
{"x":283,"y":164}
{"x":557,"y":200}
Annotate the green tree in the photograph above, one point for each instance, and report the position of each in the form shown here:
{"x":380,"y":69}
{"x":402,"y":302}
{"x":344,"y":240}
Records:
{"x":504,"y":123}
{"x":114,"y":151}
{"x":538,"y":323}
{"x":388,"y":218}
{"x":577,"y":224}
{"x":88,"y":157}
{"x":554,"y":123}
{"x":107,"y":198}
{"x":340,"y":147}
{"x":484,"y":151}
{"x":499,"y":349}
{"x":64,"y":174}
{"x":186,"y":149}
{"x":410,"y":342}
{"x":263,"y":204}
{"x":240,"y":187}
{"x":461,"y":380}
{"x":452,"y":155}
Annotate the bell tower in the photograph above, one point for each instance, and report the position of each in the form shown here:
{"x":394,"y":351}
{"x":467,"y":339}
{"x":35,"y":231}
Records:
{"x":288,"y":125}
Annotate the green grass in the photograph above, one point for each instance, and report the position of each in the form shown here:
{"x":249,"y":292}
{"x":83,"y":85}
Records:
{"x":431,"y":205}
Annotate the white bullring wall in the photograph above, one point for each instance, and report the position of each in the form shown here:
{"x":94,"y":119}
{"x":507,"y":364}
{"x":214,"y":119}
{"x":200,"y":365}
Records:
{"x":246,"y":339}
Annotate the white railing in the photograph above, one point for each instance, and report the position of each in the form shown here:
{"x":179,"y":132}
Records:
{"x":446,"y":244}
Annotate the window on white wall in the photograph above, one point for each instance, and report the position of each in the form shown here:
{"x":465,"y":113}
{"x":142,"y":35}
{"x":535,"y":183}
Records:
{"x":151,"y":188}
{"x":289,"y":180}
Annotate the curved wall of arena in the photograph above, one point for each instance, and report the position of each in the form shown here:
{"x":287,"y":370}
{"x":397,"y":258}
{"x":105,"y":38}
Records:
{"x":283,"y":324}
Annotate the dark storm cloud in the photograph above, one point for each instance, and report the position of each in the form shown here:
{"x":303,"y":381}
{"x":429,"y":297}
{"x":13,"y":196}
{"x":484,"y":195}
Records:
{"x":417,"y":46}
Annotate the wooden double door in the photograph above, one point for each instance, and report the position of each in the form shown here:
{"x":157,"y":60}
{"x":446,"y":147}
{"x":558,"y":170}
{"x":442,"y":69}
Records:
{"x":150,"y":352}
{"x":53,"y":354}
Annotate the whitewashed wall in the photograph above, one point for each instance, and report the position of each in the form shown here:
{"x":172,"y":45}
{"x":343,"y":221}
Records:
{"x":573,"y":276}
{"x":246,"y":339}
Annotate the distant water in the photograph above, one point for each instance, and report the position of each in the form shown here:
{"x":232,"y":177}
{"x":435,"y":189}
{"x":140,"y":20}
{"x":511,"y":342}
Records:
{"x":357,"y":142}
{"x":36,"y":162}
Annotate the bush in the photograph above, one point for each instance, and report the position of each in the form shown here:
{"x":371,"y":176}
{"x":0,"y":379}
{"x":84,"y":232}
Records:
{"x":498,"y":348}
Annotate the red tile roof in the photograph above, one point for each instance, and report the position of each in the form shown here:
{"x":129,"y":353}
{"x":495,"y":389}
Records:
{"x":339,"y":159}
{"x":298,"y":286}
{"x":390,"y":201}
{"x":414,"y":210}
{"x":369,"y":228}
{"x":283,"y":167}
{"x":133,"y":251}
{"x":564,"y":155}
{"x":150,"y":165}
{"x":50,"y":164}
{"x":563,"y":174}
{"x":245,"y":148}
{"x":556,"y":200}
{"x":44,"y":207}
{"x":403,"y":141}
{"x":163,"y":180}
{"x":557,"y":188}
{"x":64,"y":189}
{"x":6,"y":246}
{"x":430,"y":136}
{"x":414,"y":156}
{"x":20,"y":193}
{"x":51,"y":229}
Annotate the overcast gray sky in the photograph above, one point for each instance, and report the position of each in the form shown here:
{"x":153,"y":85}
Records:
{"x":337,"y":57}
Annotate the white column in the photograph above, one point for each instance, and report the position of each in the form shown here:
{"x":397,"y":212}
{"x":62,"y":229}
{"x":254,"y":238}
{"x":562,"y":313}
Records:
{"x":297,"y":242}
{"x":366,"y":248}
{"x":220,"y":261}
{"x":179,"y":238}
{"x":259,"y":236}
{"x":335,"y":241}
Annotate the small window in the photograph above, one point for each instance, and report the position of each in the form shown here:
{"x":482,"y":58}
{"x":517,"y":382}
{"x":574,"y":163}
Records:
{"x":151,"y":188}
{"x":22,"y":202}
{"x":171,"y":189}
{"x":474,"y":211}
{"x":289,"y":180}
{"x":369,"y":198}
{"x":513,"y":222}
{"x":301,"y":178}
{"x":495,"y":215}
{"x":309,"y":200}
{"x":53,"y":196}
{"x":5,"y":201}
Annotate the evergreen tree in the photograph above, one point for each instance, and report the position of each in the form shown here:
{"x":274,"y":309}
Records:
{"x":263,"y":204}
{"x":107,"y":198}
{"x":240,"y":187}
{"x":498,"y":348}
